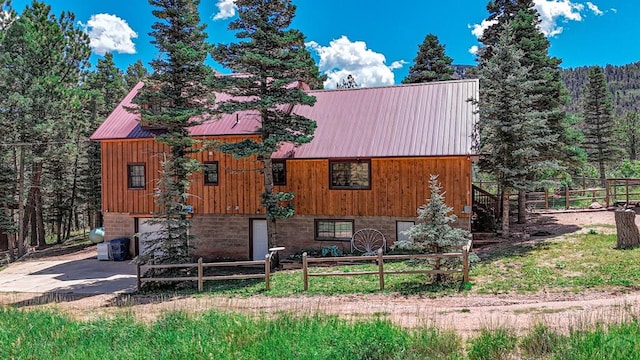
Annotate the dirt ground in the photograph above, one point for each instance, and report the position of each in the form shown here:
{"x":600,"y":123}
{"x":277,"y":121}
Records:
{"x":464,"y":313}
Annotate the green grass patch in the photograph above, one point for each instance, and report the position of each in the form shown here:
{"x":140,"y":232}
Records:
{"x":574,"y":263}
{"x":290,"y":282}
{"x":221,"y":335}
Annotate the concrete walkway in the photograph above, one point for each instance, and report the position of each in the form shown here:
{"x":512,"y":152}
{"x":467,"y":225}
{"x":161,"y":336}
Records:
{"x":71,"y":276}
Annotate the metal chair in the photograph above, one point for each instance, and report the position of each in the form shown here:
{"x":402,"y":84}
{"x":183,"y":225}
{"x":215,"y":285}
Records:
{"x":368,"y":241}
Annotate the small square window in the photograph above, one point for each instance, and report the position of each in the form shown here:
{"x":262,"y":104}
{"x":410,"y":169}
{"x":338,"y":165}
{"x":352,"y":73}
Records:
{"x":351,"y":174}
{"x":279,"y":168}
{"x":210,"y":171}
{"x":337,"y":230}
{"x":136,"y":176}
{"x":401,"y":227}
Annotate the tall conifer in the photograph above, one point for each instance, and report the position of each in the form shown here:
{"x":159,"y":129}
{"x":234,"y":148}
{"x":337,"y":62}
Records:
{"x":173,"y":99}
{"x":272,"y":58}
{"x":598,"y":125}
{"x":431,"y":63}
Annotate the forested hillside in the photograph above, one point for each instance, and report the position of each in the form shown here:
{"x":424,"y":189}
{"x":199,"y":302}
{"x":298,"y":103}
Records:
{"x":623,"y":83}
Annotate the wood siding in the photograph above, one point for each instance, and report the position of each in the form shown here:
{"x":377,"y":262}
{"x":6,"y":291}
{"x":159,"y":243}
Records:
{"x":398,"y":185}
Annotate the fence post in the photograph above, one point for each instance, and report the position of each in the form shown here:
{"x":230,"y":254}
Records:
{"x":465,"y":263}
{"x":546,"y":199}
{"x":200,"y":275}
{"x":139,"y":282}
{"x":381,"y":268}
{"x":606,"y":192}
{"x":305,"y":275}
{"x":626,"y":189}
{"x":267,"y":271}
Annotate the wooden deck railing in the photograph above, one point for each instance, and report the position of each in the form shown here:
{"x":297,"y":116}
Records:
{"x":485,"y":199}
{"x":380,"y":259}
{"x":200,"y":277}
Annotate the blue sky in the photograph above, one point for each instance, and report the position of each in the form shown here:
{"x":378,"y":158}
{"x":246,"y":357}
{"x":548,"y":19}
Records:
{"x":376,"y":41}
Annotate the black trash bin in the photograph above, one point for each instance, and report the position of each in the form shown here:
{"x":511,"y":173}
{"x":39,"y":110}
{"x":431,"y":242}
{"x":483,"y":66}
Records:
{"x":119,"y":249}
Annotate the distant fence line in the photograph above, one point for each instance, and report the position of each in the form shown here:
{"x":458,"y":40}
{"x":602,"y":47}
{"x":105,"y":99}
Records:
{"x":617,"y":191}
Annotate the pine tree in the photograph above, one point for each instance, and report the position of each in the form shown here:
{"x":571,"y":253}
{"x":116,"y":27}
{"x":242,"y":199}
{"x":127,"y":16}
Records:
{"x":173,"y":99}
{"x":273,"y":57}
{"x":547,"y":94}
{"x":628,"y":131}
{"x":431,"y":63}
{"x":136,"y":72}
{"x":509,"y":131}
{"x":42,"y":58}
{"x":598,"y":122}
{"x":433,"y":233}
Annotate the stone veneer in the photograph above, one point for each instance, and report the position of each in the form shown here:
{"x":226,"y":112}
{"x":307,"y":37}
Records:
{"x":117,"y":225}
{"x":219,"y":237}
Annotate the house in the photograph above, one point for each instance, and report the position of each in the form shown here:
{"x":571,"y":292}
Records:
{"x":368,"y":166}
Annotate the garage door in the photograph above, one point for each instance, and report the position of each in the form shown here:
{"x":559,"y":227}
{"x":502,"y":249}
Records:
{"x":148,"y":231}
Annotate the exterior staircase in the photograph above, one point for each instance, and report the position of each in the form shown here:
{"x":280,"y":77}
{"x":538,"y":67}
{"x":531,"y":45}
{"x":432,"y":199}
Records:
{"x":486,"y":215}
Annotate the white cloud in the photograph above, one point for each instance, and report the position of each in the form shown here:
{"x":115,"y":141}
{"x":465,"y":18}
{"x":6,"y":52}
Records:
{"x":226,"y":9}
{"x":551,"y":13}
{"x":110,"y":33}
{"x":478,"y":29}
{"x":474,"y":49}
{"x":553,"y":10}
{"x":593,"y":7}
{"x":343,"y":57}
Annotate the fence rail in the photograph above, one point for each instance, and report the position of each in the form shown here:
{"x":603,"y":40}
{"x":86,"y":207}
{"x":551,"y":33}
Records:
{"x":380,"y":259}
{"x":200,"y":278}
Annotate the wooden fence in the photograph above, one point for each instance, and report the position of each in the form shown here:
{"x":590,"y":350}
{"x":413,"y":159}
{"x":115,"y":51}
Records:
{"x":615,"y":192}
{"x":200,"y":278}
{"x":380,"y":259}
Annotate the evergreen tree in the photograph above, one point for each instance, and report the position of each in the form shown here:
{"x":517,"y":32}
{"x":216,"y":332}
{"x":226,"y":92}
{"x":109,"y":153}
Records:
{"x":42,"y":58}
{"x":598,"y":122}
{"x":104,"y":89}
{"x":548,"y":92}
{"x":274,"y":58}
{"x":173,"y":99}
{"x":433,"y":233}
{"x":628,"y":131}
{"x":348,"y":83}
{"x":431,"y":63}
{"x":135,"y":72}
{"x":509,"y":131}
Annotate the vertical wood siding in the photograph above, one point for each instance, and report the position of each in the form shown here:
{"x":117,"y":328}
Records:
{"x":398,"y":185}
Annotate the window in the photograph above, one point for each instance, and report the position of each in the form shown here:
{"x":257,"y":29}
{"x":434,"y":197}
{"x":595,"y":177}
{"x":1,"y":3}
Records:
{"x":279,"y":168}
{"x":355,"y":174}
{"x":136,"y":176}
{"x":340,"y":230}
{"x":210,"y":171}
{"x":402,"y":226}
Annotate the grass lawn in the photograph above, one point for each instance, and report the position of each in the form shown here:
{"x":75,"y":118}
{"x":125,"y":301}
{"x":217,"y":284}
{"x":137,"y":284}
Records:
{"x":571,"y":263}
{"x":220,"y":336}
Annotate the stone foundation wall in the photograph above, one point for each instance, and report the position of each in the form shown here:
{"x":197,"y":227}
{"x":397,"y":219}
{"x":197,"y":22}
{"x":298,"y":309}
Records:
{"x":117,"y":225}
{"x":221,"y":237}
{"x":227,"y":237}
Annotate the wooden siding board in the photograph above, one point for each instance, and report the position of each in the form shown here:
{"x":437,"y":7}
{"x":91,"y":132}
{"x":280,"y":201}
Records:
{"x":398,"y":185}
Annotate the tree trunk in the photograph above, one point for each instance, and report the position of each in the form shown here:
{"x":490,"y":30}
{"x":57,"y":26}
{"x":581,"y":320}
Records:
{"x":603,"y":174}
{"x":39,"y":218}
{"x":628,"y":235}
{"x":522,"y":207}
{"x":268,"y":189}
{"x":73,"y":196}
{"x":505,"y":213}
{"x":22,"y":249}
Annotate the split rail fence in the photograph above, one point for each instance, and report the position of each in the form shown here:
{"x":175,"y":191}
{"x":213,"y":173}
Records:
{"x":201,"y":278}
{"x":380,"y":259}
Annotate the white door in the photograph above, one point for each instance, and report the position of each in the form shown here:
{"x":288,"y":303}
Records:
{"x":259,"y":239}
{"x":147,"y":231}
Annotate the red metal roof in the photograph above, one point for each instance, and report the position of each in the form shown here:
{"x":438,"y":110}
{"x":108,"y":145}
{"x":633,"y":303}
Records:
{"x":432,"y":119}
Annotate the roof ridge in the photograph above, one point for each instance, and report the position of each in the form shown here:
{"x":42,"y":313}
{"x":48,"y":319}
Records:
{"x":394,"y":86}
